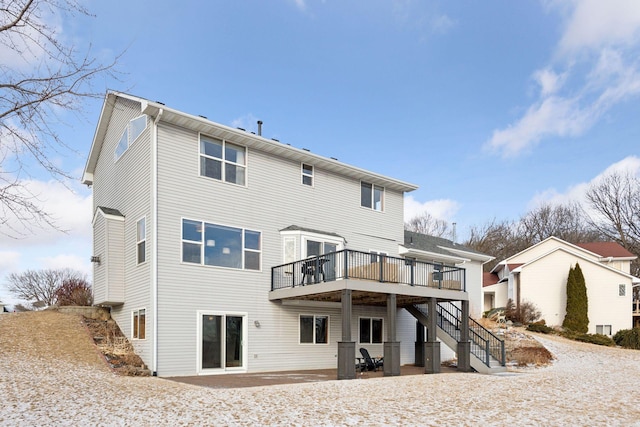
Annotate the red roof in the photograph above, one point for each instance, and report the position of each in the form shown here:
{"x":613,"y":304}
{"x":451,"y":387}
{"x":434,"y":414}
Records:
{"x":606,"y":249}
{"x":489,"y":279}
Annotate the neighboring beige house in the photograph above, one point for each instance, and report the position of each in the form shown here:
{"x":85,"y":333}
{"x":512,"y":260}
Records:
{"x":539,"y":275}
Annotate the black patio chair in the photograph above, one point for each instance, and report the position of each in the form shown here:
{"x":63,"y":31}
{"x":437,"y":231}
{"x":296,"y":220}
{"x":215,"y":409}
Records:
{"x":370,"y":363}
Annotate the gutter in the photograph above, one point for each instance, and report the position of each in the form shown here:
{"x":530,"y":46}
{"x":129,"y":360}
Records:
{"x":154,"y":233}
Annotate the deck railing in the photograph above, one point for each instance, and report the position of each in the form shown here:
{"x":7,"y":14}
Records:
{"x":350,"y":264}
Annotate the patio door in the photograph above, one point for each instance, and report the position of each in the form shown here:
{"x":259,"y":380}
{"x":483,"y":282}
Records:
{"x":315,"y":248}
{"x":222,"y":345}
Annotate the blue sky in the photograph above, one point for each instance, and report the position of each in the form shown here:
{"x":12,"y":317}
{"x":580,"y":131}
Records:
{"x":490,"y":107}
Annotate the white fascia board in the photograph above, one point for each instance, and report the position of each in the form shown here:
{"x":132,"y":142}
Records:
{"x":472,"y":255}
{"x":431,"y":255}
{"x":105,"y":215}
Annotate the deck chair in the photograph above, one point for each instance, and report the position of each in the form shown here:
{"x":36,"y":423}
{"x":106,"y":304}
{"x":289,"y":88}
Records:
{"x":370,"y":363}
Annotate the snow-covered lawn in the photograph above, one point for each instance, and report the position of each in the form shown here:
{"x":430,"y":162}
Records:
{"x":40,"y":384}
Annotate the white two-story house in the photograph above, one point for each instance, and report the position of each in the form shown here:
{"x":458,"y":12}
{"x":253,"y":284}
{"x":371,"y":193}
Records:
{"x":220,"y":251}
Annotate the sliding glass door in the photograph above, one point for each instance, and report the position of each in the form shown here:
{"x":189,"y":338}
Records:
{"x":222,"y":341}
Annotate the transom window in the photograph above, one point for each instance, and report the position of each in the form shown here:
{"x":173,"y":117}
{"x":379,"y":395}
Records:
{"x":134,"y":128}
{"x":141,"y":239}
{"x":307,"y":174}
{"x":139,"y":324}
{"x":220,"y":245}
{"x":371,"y":196}
{"x":370,"y":330}
{"x":222,"y":160}
{"x":314,"y":329}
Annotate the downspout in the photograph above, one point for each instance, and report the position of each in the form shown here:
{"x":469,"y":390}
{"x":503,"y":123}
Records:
{"x":154,"y":234}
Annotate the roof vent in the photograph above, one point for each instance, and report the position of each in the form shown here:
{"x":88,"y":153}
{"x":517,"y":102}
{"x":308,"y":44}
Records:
{"x":259,"y":127}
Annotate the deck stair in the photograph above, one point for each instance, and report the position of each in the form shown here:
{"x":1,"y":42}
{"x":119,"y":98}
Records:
{"x":487,"y":350}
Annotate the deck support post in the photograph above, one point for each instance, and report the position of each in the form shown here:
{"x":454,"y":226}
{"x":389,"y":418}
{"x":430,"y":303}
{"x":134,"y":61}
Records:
{"x":391,"y":347}
{"x":464,"y":345}
{"x":346,"y":347}
{"x":432,"y":346}
{"x":419,"y":345}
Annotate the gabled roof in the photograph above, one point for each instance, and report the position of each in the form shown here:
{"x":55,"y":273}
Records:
{"x":424,"y":244}
{"x":607,"y":249}
{"x":159,"y":112}
{"x":311,"y":230}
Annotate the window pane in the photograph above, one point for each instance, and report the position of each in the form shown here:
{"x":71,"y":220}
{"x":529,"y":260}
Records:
{"x":191,"y":252}
{"x":376,"y":326}
{"x":191,"y":230}
{"x":622,"y":290}
{"x":314,"y":248}
{"x":598,"y":329}
{"x":142,"y":252}
{"x":307,"y":180}
{"x":211,"y":147}
{"x":252,"y":240}
{"x":223,"y":246}
{"x":135,"y":324}
{"x":365,"y":330}
{"x":234,"y":153}
{"x":211,"y":341}
{"x":210,"y":168}
{"x":377,"y":198}
{"x":234,"y":174}
{"x":141,"y":229}
{"x":322,"y":329}
{"x":252,"y":260}
{"x":365,"y":195}
{"x":122,"y":146}
{"x":306,"y":329}
{"x":136,"y":126}
{"x":142,"y":324}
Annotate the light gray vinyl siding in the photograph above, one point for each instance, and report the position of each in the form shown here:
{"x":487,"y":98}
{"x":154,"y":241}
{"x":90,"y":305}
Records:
{"x":100,"y":283}
{"x":125,"y":185}
{"x":272,"y":200}
{"x":109,"y":272}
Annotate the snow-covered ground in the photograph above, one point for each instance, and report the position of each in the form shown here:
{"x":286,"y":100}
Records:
{"x":586,"y":386}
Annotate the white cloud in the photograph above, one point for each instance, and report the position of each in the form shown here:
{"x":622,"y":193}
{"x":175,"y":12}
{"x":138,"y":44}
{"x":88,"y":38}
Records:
{"x":594,"y":24}
{"x":576,"y":192}
{"x":571,"y":101}
{"x":441,"y":24}
{"x":249,"y":122}
{"x":444,"y":209}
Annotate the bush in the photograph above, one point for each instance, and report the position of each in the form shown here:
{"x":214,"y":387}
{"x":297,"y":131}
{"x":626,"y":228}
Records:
{"x":525,"y":356}
{"x":74,"y":291}
{"x":628,"y":338}
{"x":541,"y":327}
{"x":597,"y":339}
{"x":525,"y":313}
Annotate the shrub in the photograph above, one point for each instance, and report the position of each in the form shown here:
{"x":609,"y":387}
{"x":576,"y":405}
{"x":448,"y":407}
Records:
{"x":597,"y":339}
{"x":540,"y":327}
{"x":577,"y":308}
{"x":628,"y":338}
{"x":525,"y":313}
{"x":524,"y":356}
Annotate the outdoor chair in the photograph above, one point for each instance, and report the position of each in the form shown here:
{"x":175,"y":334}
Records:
{"x":370,"y":363}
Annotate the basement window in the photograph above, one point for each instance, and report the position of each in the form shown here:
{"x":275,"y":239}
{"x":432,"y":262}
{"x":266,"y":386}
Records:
{"x":603,"y":330}
{"x":139,"y":324}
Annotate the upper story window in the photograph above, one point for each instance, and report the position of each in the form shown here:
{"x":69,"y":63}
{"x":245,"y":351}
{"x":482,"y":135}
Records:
{"x":222,"y":160}
{"x":371,"y":196}
{"x":219,"y":245}
{"x":307,"y":174}
{"x":141,"y":240}
{"x":622,"y":290}
{"x":134,"y":128}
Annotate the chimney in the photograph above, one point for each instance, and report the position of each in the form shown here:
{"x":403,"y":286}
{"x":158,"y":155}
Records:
{"x":259,"y":127}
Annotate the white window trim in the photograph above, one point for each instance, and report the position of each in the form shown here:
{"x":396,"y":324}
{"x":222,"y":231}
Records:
{"x":306,"y":174}
{"x":144,"y":239}
{"x":603,"y":330}
{"x":202,"y":244}
{"x":224,"y":161}
{"x":371,"y":319}
{"x":314,"y":328}
{"x":625,"y":290}
{"x":133,"y":313}
{"x":245,"y":341}
{"x":382,"y":201}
